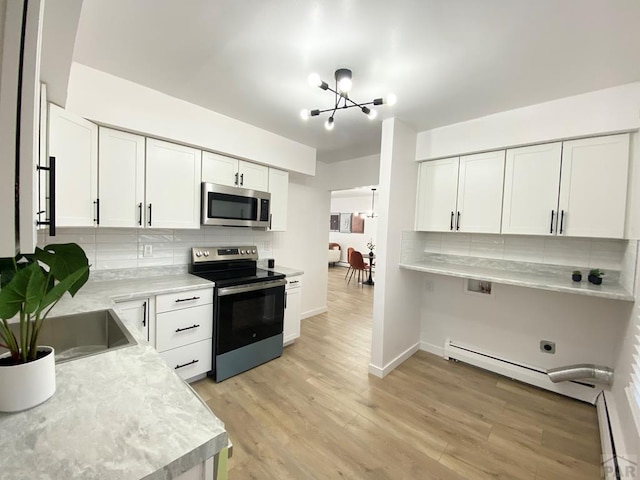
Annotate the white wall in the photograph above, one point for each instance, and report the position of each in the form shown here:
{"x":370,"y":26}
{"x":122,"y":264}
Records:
{"x":353,"y":173}
{"x":304,"y":244}
{"x":609,"y":110}
{"x":351,"y":204}
{"x":113,"y":101}
{"x":396,"y":305}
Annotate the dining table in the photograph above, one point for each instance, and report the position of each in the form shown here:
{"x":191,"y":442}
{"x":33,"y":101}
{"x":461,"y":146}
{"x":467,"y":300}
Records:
{"x":371,"y":256}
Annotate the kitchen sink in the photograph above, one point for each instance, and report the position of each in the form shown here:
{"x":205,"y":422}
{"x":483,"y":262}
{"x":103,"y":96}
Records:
{"x":84,"y":334}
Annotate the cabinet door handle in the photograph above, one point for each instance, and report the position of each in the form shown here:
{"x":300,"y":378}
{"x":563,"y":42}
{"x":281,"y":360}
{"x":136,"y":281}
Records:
{"x":451,"y":223}
{"x":140,"y":214}
{"x":552,"y":215}
{"x":458,"y":222}
{"x":144,"y":315}
{"x":236,"y":182}
{"x":242,"y":179}
{"x":187,"y":299}
{"x":52,"y":197}
{"x":186,"y":364}
{"x":186,"y":328}
{"x":561,"y":221}
{"x":97,"y":204}
{"x":149,"y":221}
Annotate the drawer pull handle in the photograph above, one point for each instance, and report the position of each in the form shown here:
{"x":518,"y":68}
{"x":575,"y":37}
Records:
{"x":187,"y":299}
{"x":186,"y":364}
{"x":186,"y":328}
{"x":295,"y":281}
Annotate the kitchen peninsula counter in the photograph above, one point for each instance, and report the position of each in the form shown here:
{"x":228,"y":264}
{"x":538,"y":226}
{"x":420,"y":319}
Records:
{"x":122,"y":414}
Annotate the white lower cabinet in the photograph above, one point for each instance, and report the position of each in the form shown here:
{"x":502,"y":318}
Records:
{"x":184,"y":331}
{"x":292,"y":309}
{"x":140,"y":312}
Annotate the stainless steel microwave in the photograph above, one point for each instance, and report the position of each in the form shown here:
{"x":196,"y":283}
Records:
{"x":234,"y":207}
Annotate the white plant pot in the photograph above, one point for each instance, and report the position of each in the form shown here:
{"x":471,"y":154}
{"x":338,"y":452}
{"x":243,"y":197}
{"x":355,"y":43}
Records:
{"x":29,"y":384}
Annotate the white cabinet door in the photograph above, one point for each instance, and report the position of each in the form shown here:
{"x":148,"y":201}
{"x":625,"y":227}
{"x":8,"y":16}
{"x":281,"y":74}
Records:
{"x":480,"y":182}
{"x":121,"y":179}
{"x":219,"y":169}
{"x":74,"y":142}
{"x":253,"y":176}
{"x":139,"y":313}
{"x":531,"y":181}
{"x":279,"y":190}
{"x":292,"y":310}
{"x":593,"y":187}
{"x":437,"y":193}
{"x":172,"y":185}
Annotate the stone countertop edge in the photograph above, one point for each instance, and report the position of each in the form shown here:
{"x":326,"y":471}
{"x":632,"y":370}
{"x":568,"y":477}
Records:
{"x":122,"y":414}
{"x":286,"y":271}
{"x":551,"y":283}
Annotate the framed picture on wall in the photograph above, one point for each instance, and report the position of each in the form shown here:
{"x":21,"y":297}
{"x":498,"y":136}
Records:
{"x":334,"y":222}
{"x":357,"y":223}
{"x":345,"y":223}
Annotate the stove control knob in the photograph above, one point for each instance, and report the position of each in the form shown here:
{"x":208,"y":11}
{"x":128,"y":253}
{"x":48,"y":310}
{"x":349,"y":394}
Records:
{"x":198,"y":253}
{"x":241,"y":252}
{"x":206,"y":253}
{"x":253,"y":251}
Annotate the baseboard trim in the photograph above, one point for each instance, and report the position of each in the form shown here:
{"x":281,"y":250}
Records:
{"x":314,"y":312}
{"x":431,"y":348}
{"x":389,"y":367}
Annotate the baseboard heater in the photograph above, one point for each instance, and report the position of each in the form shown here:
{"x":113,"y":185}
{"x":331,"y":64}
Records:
{"x":610,"y":467}
{"x":518,"y":371}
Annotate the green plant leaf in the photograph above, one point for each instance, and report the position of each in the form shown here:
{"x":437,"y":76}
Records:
{"x":24,"y":291}
{"x":65,"y":285}
{"x":63,"y":260}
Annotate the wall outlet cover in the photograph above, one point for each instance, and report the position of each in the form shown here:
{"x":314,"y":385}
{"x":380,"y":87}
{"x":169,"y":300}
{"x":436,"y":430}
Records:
{"x":148,"y":250}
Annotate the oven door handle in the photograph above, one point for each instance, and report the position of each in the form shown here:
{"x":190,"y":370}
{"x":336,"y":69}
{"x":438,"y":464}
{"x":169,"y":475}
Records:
{"x":251,"y":287}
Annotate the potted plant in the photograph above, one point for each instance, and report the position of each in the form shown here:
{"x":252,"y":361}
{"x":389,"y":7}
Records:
{"x":576,"y":276}
{"x":30,"y":286}
{"x":371,"y":246}
{"x":595,"y":276}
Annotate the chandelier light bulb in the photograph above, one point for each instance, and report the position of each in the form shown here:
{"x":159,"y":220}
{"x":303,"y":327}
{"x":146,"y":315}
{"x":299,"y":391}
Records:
{"x":372,"y":114}
{"x":344,"y":85}
{"x":391,"y":99}
{"x":304,"y":114}
{"x":314,"y":80}
{"x":329,"y":124}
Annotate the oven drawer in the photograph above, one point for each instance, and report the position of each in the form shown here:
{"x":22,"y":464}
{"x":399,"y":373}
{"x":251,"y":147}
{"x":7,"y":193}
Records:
{"x":189,"y":298}
{"x":189,"y":325}
{"x":190,"y":360}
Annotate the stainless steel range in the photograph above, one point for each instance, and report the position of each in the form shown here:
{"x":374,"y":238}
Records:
{"x":248,"y":308}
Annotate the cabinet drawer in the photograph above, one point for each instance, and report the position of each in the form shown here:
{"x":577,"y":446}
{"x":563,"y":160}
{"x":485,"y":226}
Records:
{"x":294,"y":282}
{"x":190,"y":360}
{"x":189,"y":298}
{"x":188,"y":325}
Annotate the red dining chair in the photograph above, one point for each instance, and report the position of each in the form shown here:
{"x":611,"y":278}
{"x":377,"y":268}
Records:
{"x":357,"y":263}
{"x":349,"y":250}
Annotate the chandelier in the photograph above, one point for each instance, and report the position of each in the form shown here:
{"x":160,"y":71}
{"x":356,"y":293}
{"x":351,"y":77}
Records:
{"x":341,"y":97}
{"x":371,"y":213}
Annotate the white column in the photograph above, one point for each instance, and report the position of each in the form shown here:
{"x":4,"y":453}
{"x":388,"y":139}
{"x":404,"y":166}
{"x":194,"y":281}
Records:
{"x":396,"y":306}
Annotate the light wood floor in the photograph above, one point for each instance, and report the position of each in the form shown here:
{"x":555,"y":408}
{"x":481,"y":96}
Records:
{"x":315,"y":413}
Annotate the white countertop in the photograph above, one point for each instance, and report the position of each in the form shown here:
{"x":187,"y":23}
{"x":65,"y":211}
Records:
{"x":558,"y":281}
{"x":119,"y":415}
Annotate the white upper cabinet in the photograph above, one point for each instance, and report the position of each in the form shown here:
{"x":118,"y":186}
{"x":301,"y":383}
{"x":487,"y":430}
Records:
{"x":461,"y":194}
{"x":73,"y":141}
{"x":480,"y":181}
{"x":121,"y":179}
{"x":173,"y":175}
{"x":593,"y":187}
{"x":234,"y":173}
{"x":279,"y":190}
{"x":531,"y":178}
{"x":437,"y":194}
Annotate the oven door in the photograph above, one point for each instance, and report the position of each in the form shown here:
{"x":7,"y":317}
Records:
{"x":245,"y":314}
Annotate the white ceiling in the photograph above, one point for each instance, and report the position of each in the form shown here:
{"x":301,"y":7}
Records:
{"x":447,"y":60}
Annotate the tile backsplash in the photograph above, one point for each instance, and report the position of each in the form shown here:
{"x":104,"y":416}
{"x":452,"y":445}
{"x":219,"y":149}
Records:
{"x":116,"y":248}
{"x":578,"y":252}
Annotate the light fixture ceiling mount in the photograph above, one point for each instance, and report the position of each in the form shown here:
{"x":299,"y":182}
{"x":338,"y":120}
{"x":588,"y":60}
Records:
{"x":343,"y":83}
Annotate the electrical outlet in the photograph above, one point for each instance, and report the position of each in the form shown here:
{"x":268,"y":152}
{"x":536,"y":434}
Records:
{"x":547,"y":346}
{"x":148,"y":251}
